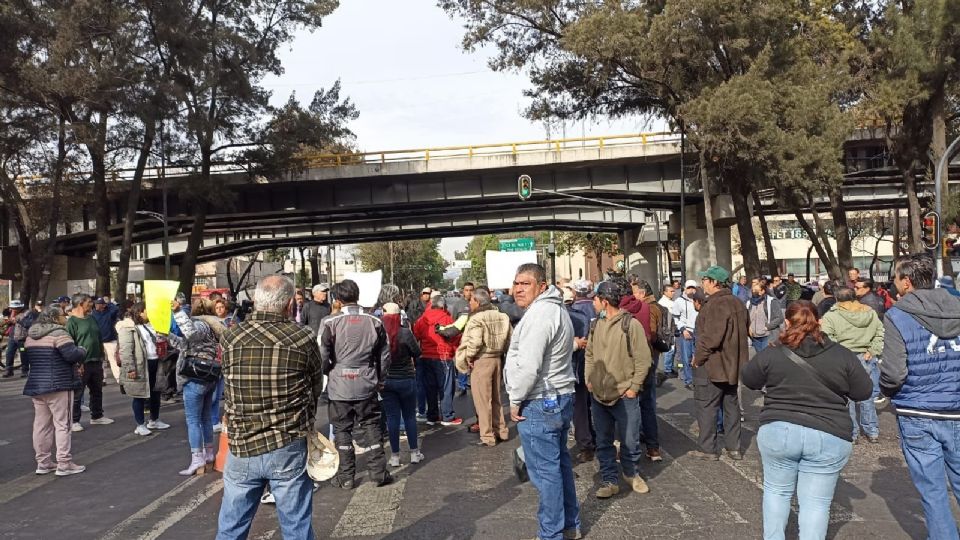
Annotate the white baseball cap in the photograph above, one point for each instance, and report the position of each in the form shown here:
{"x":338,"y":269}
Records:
{"x":690,"y":283}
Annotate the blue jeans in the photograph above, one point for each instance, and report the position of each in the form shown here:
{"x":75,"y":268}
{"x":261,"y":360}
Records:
{"x":244,"y":480}
{"x":668,"y":366}
{"x":421,"y":387}
{"x":543,"y":436}
{"x":687,"y":347}
{"x":439,"y":379}
{"x":215,"y":404}
{"x":760,"y":343}
{"x":197,"y":398}
{"x":868,"y":410}
{"x":805,"y":460}
{"x":620,"y":420}
{"x":12,"y":347}
{"x":932,"y":451}
{"x":463,"y":381}
{"x":650,"y":432}
{"x":400,"y":401}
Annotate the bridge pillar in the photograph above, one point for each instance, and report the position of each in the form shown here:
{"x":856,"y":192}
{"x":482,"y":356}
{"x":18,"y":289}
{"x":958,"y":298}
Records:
{"x":640,"y":255}
{"x":697,"y":253}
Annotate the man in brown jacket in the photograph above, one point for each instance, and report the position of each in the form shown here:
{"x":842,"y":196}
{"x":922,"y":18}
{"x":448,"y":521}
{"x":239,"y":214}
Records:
{"x":722,"y":335}
{"x":617,"y":363}
{"x":484,"y":342}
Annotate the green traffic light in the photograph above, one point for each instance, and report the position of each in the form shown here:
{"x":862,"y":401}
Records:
{"x":524,"y":187}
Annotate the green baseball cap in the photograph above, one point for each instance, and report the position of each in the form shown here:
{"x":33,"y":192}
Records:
{"x":716,"y":273}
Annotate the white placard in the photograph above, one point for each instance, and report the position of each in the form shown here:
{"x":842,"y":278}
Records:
{"x":502,"y":266}
{"x":369,"y":283}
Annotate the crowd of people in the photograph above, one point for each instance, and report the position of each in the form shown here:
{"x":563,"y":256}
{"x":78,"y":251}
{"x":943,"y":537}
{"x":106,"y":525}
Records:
{"x":569,"y":354}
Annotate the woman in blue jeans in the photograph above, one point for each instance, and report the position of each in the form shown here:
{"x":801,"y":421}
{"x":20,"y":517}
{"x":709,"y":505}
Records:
{"x":400,"y":389}
{"x":201,"y":334}
{"x":805,"y":427}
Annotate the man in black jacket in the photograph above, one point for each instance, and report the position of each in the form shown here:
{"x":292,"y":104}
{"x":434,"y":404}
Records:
{"x":417,"y":306}
{"x":314,"y":312}
{"x":868,"y":297}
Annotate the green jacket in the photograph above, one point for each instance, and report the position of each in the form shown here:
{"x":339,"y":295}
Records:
{"x":855,"y":326}
{"x":609,"y":369}
{"x":86,"y":333}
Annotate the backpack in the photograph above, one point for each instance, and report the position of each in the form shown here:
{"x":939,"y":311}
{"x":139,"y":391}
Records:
{"x":666,"y":330}
{"x":624,"y":326}
{"x":24,"y":322}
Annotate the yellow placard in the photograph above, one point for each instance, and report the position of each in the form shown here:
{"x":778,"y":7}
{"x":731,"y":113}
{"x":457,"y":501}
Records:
{"x":158,"y":294}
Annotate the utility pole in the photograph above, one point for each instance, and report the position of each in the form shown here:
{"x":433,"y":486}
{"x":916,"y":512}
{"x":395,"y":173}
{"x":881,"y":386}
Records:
{"x":938,"y":175}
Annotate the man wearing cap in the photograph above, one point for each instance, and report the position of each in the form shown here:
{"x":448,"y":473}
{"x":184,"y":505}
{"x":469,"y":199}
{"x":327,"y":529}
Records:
{"x":540,"y":380}
{"x":106,"y":315}
{"x":314,"y":312}
{"x":418,"y":305}
{"x":86,"y":333}
{"x":686,"y":316}
{"x":582,"y":288}
{"x":721,"y":350}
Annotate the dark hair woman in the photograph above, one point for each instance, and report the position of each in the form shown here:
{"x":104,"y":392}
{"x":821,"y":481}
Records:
{"x":138,"y":360}
{"x":805,"y":426}
{"x":53,"y":357}
{"x":400,"y":389}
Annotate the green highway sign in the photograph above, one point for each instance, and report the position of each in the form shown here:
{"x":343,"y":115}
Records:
{"x":517,"y":244}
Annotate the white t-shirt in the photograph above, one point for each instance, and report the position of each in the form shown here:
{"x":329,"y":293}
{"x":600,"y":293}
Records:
{"x":149,"y":345}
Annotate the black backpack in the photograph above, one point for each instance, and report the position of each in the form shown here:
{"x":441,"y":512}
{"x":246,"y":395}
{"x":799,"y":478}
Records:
{"x":666,"y":330}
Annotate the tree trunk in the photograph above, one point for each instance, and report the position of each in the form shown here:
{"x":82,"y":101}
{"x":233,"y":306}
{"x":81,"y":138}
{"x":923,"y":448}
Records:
{"x":765,"y":231}
{"x":841,"y":231}
{"x":188,"y":263}
{"x":740,"y":189}
{"x":896,"y":233}
{"x":832,"y":269}
{"x":97,"y":151}
{"x":49,"y":249}
{"x":938,"y":146}
{"x":913,"y":210}
{"x":708,"y":210}
{"x":133,"y":202}
{"x":809,"y":250}
{"x":315,"y":267}
{"x":598,"y":253}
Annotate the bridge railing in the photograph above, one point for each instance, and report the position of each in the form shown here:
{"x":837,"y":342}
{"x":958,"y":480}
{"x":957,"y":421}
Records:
{"x":483,"y":150}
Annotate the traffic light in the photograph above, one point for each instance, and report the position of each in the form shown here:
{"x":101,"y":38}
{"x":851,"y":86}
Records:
{"x":930,"y":230}
{"x":524,"y":187}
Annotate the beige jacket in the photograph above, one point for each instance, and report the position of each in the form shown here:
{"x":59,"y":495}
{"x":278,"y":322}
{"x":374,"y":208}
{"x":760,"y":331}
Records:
{"x":487,"y":333}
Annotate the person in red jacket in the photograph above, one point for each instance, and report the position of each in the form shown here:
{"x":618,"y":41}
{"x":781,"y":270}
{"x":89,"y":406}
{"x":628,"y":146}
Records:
{"x":437,"y":355}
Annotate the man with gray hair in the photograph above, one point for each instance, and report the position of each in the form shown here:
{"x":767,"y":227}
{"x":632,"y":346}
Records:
{"x":271,"y":366}
{"x":437,"y":360}
{"x":315,"y":311}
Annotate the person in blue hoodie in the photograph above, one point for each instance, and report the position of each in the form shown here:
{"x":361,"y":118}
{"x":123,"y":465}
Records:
{"x":920,"y":374}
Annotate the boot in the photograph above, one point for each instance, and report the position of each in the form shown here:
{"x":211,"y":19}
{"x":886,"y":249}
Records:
{"x":209,"y":456}
{"x":197,"y":465}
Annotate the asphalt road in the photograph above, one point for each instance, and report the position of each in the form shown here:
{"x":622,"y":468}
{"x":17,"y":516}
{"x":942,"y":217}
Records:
{"x":131,"y":489}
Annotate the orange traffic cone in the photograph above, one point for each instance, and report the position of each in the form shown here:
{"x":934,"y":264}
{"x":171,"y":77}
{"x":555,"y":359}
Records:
{"x":221,"y":460}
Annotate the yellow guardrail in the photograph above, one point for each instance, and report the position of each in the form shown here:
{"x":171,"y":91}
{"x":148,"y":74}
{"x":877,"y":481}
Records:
{"x":478,"y":150}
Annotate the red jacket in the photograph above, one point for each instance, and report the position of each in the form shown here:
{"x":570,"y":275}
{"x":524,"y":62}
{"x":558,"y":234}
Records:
{"x":432,"y":345}
{"x":640,"y":311}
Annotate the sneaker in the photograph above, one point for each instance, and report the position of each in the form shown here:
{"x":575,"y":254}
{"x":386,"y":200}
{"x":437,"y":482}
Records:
{"x":432,"y":422}
{"x":342,"y":484}
{"x":880,"y":401}
{"x":874,"y":440}
{"x":607,"y":490}
{"x":69,"y":469}
{"x":703,"y":455}
{"x":160,"y":424}
{"x":46,"y":470}
{"x":7,"y":375}
{"x":421,"y":418}
{"x":387,"y":479}
{"x":735,"y":455}
{"x":572,"y":534}
{"x":218,"y":427}
{"x":452,"y":422}
{"x":653,"y":454}
{"x":689,"y":386}
{"x":416,"y":456}
{"x":268,"y":498}
{"x":76,"y":427}
{"x":102,"y":421}
{"x":394,"y":460}
{"x":661,"y":378}
{"x":84,"y":408}
{"x":638,"y":484}
{"x":142,"y":430}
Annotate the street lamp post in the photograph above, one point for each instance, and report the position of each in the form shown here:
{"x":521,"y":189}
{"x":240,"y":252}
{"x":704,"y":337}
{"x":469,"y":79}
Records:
{"x":162,"y":218}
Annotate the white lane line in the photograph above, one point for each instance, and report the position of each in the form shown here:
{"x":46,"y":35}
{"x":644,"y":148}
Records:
{"x":182,"y":511}
{"x":4,"y":443}
{"x":29,"y":482}
{"x":371,"y":510}
{"x":120,"y":530}
{"x":838,"y":514}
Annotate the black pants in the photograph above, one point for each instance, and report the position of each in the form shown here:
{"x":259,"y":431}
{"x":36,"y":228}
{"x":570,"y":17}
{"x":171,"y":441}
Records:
{"x":709,"y":397}
{"x":93,"y":382}
{"x":153,"y":401}
{"x":358,"y":420}
{"x":582,"y":421}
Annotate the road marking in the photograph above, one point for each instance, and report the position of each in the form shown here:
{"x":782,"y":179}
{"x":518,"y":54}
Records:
{"x":838,"y":514}
{"x":4,"y":443}
{"x":371,"y":510}
{"x":182,"y":511}
{"x":119,"y":531}
{"x":29,"y":482}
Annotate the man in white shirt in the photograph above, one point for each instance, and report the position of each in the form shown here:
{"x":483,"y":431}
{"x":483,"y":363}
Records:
{"x":685,"y":314}
{"x":669,"y":363}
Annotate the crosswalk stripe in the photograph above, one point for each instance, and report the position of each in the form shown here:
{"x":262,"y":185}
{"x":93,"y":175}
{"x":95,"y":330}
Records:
{"x":182,"y":511}
{"x":120,"y":530}
{"x":371,"y":510}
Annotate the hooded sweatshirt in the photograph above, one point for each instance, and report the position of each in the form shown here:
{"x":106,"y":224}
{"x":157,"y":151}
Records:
{"x":610,"y":370}
{"x":921,"y":360}
{"x":540,"y":358}
{"x":855,"y":326}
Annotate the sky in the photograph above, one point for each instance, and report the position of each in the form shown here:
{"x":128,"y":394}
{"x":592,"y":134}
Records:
{"x":402,"y":65}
